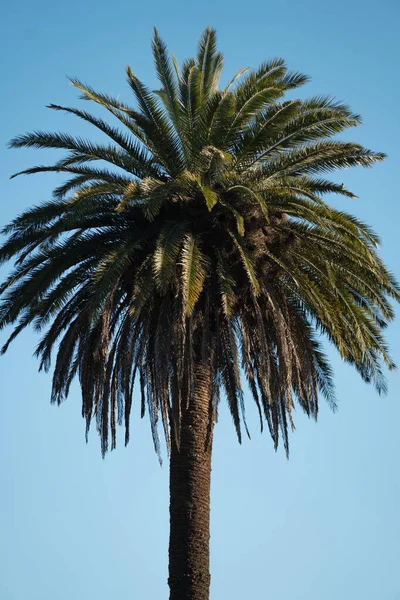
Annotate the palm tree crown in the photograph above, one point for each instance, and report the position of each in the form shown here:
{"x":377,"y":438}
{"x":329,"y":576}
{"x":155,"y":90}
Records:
{"x":202,"y":233}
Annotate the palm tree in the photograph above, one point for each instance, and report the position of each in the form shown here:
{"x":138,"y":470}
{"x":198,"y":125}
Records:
{"x":197,"y":252}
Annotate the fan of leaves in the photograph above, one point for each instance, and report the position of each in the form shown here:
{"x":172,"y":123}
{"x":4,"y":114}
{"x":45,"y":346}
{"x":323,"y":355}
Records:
{"x":198,"y":232}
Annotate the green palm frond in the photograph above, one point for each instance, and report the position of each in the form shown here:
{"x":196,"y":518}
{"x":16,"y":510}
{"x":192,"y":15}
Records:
{"x":168,"y":248}
{"x":247,"y":262}
{"x":194,"y":264}
{"x":154,"y":123}
{"x":209,"y":63}
{"x":167,"y":77}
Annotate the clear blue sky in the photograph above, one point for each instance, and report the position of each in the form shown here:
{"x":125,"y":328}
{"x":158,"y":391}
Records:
{"x":326,"y":524}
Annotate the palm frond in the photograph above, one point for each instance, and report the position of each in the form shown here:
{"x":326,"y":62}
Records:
{"x":194,"y":264}
{"x":168,"y":248}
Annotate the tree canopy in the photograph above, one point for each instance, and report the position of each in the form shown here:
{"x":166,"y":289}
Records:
{"x":199,"y":228}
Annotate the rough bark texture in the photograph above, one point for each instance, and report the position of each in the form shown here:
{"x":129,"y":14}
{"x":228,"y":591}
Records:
{"x":190,"y":473}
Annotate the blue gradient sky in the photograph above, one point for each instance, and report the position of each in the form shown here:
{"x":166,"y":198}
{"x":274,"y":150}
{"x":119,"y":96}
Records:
{"x":325,"y":524}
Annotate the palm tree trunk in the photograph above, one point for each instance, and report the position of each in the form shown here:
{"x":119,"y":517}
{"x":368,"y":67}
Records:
{"x":190,"y":474}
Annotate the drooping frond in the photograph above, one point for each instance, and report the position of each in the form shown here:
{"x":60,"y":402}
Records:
{"x":194,"y":265}
{"x":168,"y":248}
